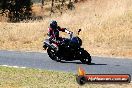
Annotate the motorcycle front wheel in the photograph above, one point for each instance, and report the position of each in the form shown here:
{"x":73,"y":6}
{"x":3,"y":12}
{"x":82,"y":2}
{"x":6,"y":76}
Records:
{"x":85,"y":57}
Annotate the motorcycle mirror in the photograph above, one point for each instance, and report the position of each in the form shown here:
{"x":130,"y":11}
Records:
{"x":79,"y":31}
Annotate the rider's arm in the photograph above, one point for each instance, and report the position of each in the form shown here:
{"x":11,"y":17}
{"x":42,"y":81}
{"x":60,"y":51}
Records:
{"x":64,"y":30}
{"x":50,"y":33}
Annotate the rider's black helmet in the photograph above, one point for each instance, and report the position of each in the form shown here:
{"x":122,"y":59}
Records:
{"x":53,"y":24}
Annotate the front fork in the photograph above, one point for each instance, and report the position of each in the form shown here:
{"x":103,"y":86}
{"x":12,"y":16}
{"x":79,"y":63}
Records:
{"x":79,"y":53}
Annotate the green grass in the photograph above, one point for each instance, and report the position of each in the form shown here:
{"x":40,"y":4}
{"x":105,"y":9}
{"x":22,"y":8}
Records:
{"x":34,"y":78}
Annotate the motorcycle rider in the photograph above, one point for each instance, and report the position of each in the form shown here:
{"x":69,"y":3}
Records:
{"x":53,"y":33}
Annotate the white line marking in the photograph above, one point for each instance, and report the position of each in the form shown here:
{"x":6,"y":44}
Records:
{"x":12,"y":66}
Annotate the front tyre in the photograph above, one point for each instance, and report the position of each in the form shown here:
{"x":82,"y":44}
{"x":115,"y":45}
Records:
{"x":85,"y":57}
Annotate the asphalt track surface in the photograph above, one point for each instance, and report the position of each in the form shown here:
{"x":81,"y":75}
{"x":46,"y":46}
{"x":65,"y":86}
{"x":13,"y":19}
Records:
{"x":100,"y":65}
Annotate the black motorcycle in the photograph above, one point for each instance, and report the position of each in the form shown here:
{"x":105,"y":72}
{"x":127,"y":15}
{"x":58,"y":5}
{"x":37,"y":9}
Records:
{"x":69,"y":50}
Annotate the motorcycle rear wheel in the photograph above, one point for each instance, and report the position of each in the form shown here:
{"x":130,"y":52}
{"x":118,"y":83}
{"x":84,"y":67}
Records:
{"x":52,"y":55}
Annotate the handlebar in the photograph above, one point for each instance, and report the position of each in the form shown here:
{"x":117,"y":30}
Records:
{"x":71,"y":34}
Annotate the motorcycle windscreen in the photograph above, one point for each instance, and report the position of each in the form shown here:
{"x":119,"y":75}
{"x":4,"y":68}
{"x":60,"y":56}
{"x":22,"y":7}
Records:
{"x":75,"y":42}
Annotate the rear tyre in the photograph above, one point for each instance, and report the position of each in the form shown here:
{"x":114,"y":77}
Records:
{"x":85,"y":58}
{"x":52,"y":55}
{"x":58,"y":59}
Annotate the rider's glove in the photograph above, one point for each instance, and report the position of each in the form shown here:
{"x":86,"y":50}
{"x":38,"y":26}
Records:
{"x":67,"y":31}
{"x":70,"y":33}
